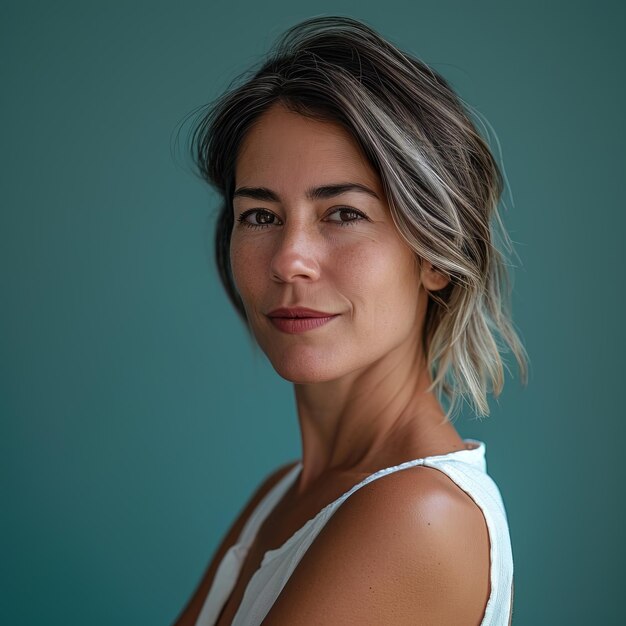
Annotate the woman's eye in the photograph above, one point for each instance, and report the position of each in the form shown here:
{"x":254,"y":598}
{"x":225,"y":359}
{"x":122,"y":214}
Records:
{"x":352,"y":216}
{"x":260,"y":218}
{"x":263,"y":218}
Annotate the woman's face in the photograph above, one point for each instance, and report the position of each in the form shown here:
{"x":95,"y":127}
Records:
{"x":335,"y":253}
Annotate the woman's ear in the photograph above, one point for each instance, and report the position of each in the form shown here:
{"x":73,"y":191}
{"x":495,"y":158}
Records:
{"x":432,"y":278}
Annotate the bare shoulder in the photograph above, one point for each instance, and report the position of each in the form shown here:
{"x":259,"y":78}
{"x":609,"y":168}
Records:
{"x":410,"y":544}
{"x":189,"y":614}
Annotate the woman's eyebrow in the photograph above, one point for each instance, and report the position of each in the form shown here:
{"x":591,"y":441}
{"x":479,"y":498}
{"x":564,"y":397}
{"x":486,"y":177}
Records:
{"x":314,"y":193}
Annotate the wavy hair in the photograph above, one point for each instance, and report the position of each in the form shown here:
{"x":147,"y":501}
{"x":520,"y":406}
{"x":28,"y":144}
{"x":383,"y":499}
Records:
{"x":441,"y":181}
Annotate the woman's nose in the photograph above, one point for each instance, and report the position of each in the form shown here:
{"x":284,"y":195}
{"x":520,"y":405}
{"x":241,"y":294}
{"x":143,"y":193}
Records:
{"x":297,"y":253}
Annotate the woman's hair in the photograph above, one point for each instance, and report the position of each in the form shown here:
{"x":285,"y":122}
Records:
{"x":442,"y":183}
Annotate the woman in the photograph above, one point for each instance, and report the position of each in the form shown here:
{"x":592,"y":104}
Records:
{"x":355,"y":241}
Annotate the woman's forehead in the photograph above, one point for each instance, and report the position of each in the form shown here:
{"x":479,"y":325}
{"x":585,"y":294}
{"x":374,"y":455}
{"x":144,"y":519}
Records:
{"x":288,"y":148}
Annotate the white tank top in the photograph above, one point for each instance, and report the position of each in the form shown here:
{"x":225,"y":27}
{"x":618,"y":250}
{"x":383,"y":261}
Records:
{"x":467,"y":468}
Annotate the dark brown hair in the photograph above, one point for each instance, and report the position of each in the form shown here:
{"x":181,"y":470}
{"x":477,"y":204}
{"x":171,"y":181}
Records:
{"x":441,"y":180}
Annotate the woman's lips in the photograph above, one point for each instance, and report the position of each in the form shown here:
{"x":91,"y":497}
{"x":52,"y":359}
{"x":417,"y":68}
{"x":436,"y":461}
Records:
{"x":300,"y":324}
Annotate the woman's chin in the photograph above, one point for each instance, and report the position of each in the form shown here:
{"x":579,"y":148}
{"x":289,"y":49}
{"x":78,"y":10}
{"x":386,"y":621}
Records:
{"x":305,"y":371}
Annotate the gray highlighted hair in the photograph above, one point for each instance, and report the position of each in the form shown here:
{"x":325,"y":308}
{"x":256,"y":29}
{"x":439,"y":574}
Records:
{"x":441,"y":181}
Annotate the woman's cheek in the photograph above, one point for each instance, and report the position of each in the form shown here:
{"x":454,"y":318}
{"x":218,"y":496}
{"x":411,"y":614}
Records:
{"x":245,"y":264}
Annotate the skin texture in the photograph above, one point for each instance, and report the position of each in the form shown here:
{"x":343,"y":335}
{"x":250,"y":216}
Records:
{"x":411,"y":547}
{"x":422,"y":563}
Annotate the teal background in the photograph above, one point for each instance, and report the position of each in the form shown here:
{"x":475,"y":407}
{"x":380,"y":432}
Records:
{"x":136,"y":418}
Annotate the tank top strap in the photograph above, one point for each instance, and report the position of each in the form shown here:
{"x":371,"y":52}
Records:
{"x":231,"y":564}
{"x":469,"y":456}
{"x":265,"y":506}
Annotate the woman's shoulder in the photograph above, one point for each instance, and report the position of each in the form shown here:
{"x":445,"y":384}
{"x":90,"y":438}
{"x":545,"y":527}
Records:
{"x":414,"y":496}
{"x":419,"y":485}
{"x":413,"y":526}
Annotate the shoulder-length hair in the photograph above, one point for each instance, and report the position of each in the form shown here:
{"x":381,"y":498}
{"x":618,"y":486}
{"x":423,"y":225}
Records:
{"x":441,"y":181}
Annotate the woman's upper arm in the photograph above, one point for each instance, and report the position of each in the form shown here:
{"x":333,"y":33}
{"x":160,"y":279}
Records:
{"x":190,"y":613}
{"x":404,"y":549}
